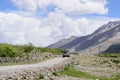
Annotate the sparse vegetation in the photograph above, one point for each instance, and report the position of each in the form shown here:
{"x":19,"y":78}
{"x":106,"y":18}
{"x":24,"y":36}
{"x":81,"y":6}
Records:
{"x":114,"y":58}
{"x":117,"y":77}
{"x":109,"y":55}
{"x":7,"y":50}
{"x":70,"y":71}
{"x":98,"y":66}
{"x":54,"y":51}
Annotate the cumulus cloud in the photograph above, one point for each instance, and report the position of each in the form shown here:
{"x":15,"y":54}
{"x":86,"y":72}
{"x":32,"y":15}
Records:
{"x":16,"y":29}
{"x":23,"y":26}
{"x":26,"y":4}
{"x":74,"y":7}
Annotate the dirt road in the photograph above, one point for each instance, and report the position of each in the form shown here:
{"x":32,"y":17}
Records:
{"x":12,"y":70}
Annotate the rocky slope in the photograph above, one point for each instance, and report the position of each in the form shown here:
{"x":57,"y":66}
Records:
{"x":96,"y":42}
{"x":62,"y":42}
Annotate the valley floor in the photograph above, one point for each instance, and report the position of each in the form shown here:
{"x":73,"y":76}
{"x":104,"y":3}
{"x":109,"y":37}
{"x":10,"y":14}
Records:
{"x":101,"y":67}
{"x":78,"y":67}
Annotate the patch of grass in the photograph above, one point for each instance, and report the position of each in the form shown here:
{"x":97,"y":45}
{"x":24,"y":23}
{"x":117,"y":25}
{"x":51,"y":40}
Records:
{"x":117,"y":77}
{"x":70,"y":71}
{"x":37,"y":79}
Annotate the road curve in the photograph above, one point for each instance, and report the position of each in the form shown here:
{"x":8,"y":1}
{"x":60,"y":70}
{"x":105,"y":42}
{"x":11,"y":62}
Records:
{"x":8,"y":70}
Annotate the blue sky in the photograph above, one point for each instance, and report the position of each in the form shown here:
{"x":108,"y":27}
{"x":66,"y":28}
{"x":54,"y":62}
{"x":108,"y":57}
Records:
{"x":6,"y":5}
{"x":44,"y":22}
{"x":113,"y":6}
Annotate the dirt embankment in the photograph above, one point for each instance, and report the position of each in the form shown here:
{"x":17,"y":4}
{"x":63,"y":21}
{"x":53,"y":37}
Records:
{"x":33,"y":57}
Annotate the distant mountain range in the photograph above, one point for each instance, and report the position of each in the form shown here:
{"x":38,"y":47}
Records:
{"x":97,"y":42}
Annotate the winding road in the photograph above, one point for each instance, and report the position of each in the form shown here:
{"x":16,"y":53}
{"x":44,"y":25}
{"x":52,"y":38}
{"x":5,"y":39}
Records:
{"x":11,"y":70}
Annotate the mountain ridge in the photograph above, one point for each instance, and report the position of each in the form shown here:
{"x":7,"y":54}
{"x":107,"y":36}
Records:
{"x":101,"y":37}
{"x":62,"y":42}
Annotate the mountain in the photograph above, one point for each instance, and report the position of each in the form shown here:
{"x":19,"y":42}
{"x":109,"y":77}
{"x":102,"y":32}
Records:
{"x":113,"y":49}
{"x":96,"y":42}
{"x":62,"y":42}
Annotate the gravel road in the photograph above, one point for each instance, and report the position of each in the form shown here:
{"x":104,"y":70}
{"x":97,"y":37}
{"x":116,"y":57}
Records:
{"x":12,"y":70}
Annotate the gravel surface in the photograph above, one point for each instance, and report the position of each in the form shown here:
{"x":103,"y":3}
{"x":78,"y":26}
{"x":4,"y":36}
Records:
{"x":69,"y":78}
{"x":95,"y":65}
{"x":15,"y":69}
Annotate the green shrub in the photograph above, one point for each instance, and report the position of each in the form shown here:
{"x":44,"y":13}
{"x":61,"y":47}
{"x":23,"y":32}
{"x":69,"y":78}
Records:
{"x":28,"y":48}
{"x":116,"y":61}
{"x":41,"y":76}
{"x":66,"y":68}
{"x":55,"y":73}
{"x":7,"y":51}
{"x":105,"y":61}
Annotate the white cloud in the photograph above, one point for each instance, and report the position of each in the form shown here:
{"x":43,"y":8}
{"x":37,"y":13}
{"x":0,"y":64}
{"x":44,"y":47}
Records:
{"x":26,"y":4}
{"x":75,"y":7}
{"x":16,"y":29}
{"x":61,"y":25}
{"x":83,"y":6}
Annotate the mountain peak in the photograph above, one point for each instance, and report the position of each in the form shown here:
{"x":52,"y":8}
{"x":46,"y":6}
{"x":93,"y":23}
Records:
{"x":101,"y":37}
{"x":107,"y":27}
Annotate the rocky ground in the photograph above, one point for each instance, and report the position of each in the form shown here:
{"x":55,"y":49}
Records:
{"x":89,"y":63}
{"x":33,"y":57}
{"x":96,"y":65}
{"x":32,"y":71}
{"x":69,"y":78}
